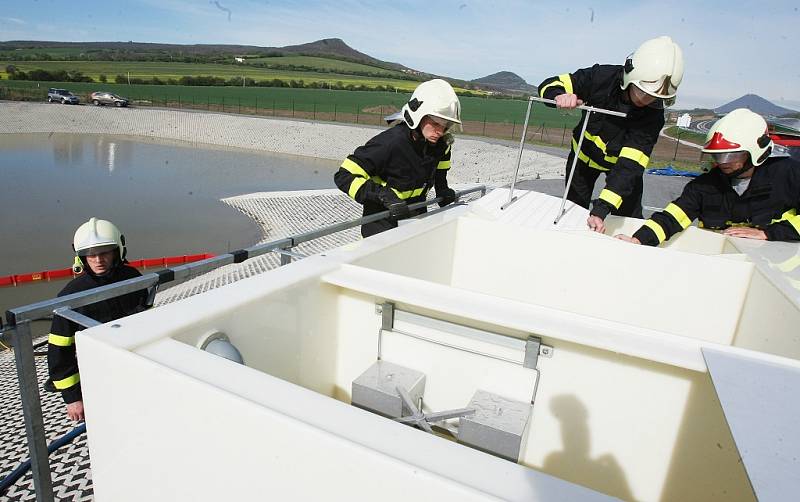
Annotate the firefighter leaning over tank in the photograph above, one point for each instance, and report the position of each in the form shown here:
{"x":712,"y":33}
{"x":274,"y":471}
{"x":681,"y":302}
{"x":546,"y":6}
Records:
{"x":746,"y":194}
{"x":398,"y":166}
{"x":100,"y":260}
{"x":618,"y":146}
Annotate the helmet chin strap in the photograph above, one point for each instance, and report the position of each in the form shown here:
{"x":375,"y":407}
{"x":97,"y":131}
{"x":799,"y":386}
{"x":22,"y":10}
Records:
{"x":735,"y":174}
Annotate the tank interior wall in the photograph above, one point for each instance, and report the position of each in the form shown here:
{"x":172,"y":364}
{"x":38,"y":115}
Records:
{"x":770,"y":322}
{"x":600,"y":277}
{"x":625,"y":426}
{"x":289,"y":333}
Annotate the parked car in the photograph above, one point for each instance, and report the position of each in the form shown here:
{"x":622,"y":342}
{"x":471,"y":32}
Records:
{"x":61,"y":96}
{"x":107,"y":98}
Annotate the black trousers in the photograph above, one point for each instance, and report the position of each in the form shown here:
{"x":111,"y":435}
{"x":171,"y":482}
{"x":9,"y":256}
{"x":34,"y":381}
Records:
{"x":580,"y":192}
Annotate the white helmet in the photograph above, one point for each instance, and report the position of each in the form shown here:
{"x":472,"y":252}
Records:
{"x":740,"y":131}
{"x":96,"y":236}
{"x":434,"y":97}
{"x":656,"y":68}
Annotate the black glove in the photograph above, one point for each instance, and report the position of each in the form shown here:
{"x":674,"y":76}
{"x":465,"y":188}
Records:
{"x":448,"y":196}
{"x":398,"y":209}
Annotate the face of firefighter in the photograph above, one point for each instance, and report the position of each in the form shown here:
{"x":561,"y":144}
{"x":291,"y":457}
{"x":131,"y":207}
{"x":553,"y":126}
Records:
{"x":639,"y":98}
{"x":732,"y":162}
{"x":433,"y":128}
{"x":100,"y":263}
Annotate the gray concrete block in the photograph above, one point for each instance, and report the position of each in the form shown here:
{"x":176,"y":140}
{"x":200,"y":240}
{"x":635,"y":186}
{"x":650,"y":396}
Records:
{"x":498,"y":426}
{"x":376,"y":389}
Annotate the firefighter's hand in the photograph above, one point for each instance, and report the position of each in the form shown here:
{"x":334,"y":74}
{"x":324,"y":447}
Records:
{"x":75,"y":411}
{"x":399,"y":210}
{"x":596,"y":224}
{"x":623,"y":237}
{"x":746,"y":233}
{"x":568,"y":101}
{"x":448,"y":197}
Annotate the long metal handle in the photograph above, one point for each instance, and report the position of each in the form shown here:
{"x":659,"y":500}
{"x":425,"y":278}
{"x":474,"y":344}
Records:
{"x":519,"y":156}
{"x":583,"y":107}
{"x":572,"y":169}
{"x":531,"y":99}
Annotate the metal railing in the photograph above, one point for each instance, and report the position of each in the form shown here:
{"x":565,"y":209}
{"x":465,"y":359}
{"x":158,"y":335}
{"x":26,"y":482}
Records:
{"x":19,"y":320}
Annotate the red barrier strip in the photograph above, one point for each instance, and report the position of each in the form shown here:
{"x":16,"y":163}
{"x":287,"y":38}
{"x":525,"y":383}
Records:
{"x":49,"y":275}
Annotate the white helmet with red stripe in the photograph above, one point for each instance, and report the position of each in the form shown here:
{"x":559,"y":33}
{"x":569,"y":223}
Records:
{"x":740,"y":131}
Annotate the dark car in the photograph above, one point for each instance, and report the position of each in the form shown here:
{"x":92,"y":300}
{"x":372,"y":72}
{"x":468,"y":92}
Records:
{"x":61,"y":96}
{"x":107,"y":98}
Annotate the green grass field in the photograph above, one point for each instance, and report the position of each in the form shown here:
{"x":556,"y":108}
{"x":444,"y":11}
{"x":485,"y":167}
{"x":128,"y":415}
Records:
{"x":265,"y":99}
{"x":163,"y":70}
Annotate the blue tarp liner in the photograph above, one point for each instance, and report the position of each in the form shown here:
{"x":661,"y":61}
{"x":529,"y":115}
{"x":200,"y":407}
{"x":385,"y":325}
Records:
{"x":671,"y":171}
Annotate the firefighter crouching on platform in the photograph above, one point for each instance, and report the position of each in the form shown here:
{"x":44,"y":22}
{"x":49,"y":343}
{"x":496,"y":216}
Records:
{"x":746,"y":194}
{"x":100,"y":256}
{"x":398,"y":166}
{"x":620,"y":147}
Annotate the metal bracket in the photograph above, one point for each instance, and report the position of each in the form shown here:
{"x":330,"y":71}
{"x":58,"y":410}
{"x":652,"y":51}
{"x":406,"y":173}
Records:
{"x":534,"y":349}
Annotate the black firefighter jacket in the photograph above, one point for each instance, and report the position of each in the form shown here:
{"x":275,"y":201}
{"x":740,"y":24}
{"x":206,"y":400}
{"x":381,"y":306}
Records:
{"x":770,"y":203}
{"x":61,"y":358}
{"x":393,"y":160}
{"x":618,"y":146}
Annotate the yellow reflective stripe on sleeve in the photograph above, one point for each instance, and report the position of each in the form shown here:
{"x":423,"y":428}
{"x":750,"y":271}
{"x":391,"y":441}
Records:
{"x":792,"y":218}
{"x":354,"y":186}
{"x":378,"y":181}
{"x":61,"y":341}
{"x":67,"y":382}
{"x":680,"y":216}
{"x":656,"y":228}
{"x":444,"y":164}
{"x":354,"y":168}
{"x":635,"y":155}
{"x":611,"y":197}
{"x":564,"y":81}
{"x":409,"y":193}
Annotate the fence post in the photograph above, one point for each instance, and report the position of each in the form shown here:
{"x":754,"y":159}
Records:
{"x":357,"y":110}
{"x":677,"y":142}
{"x":514,"y":129}
{"x":563,"y":135}
{"x":484,"y":124}
{"x":256,"y":105}
{"x":273,"y":107}
{"x":542,"y":137}
{"x":292,"y":108}
{"x":240,"y":105}
{"x":315,"y":111}
{"x":179,"y":101}
{"x":208,"y":102}
{"x":223,"y":104}
{"x":334,"y":112}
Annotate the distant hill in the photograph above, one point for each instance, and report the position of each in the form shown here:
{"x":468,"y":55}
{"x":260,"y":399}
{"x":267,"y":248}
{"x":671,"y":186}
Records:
{"x":756,"y":104}
{"x":329,"y":47}
{"x":506,"y":81}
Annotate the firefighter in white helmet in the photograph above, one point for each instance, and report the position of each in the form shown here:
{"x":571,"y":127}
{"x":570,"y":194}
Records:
{"x":99,"y":260}
{"x":618,"y":147}
{"x":746,"y":194}
{"x":398,"y":166}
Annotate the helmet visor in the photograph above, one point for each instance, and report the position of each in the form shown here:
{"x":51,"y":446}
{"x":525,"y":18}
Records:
{"x":96,"y":250}
{"x":447,"y":124}
{"x":728,"y":157}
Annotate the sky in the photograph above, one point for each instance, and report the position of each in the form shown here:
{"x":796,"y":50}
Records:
{"x":731,"y":48}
